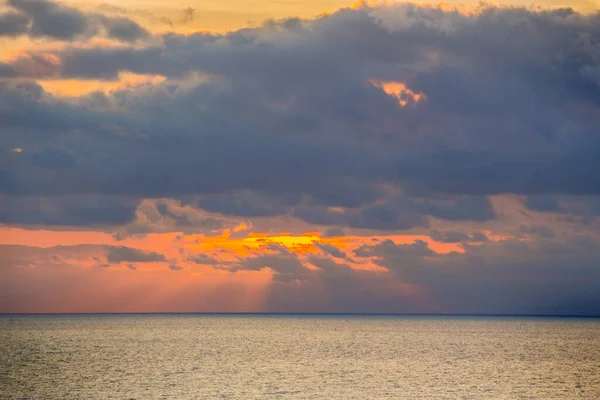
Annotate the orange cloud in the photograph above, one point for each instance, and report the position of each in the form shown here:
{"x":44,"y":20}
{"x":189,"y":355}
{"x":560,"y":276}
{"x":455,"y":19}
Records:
{"x":80,"y":87}
{"x":241,"y":247}
{"x":400,"y":91}
{"x":90,"y":284}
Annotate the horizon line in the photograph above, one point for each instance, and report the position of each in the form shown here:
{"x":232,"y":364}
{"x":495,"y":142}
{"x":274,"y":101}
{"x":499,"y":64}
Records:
{"x":350,"y":314}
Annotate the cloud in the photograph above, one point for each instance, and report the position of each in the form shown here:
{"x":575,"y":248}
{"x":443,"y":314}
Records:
{"x":246,"y":203}
{"x":123,"y":29}
{"x":333,"y":232}
{"x":581,"y":206}
{"x":388,"y":248}
{"x":401,"y":213}
{"x":538,"y":275}
{"x":42,"y":18}
{"x":204,"y":259}
{"x":13,"y":24}
{"x":120,"y":254}
{"x":542,"y":203}
{"x":67,"y":210}
{"x":542,"y":230}
{"x":331,"y":250}
{"x":167,"y":215}
{"x":457,"y":236}
{"x":287,"y":267}
{"x":284,"y":119}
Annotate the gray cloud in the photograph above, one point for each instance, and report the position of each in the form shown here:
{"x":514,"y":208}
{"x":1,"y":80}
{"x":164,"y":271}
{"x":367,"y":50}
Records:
{"x":204,"y":259}
{"x":581,"y":206}
{"x":331,"y":250}
{"x":120,"y":254}
{"x":122,"y":28}
{"x":499,"y":277}
{"x":13,"y":24}
{"x":288,"y":123}
{"x":388,"y":248}
{"x":67,"y":210}
{"x":245,"y":203}
{"x":457,"y":236}
{"x":187,"y":217}
{"x":401,"y":213}
{"x":542,"y":230}
{"x":42,"y":18}
{"x":542,"y":203}
{"x":506,"y":277}
{"x":287,"y":267}
{"x":164,"y":215}
{"x":334,"y":232}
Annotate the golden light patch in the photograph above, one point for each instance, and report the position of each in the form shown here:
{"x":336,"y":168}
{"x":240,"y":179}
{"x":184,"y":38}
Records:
{"x":77,"y":87}
{"x":360,"y":4}
{"x":24,"y":47}
{"x":17,"y":150}
{"x":255,"y":243}
{"x":399,"y":91}
{"x":228,"y":249}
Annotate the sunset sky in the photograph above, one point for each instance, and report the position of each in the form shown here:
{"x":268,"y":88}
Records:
{"x":300,"y":156}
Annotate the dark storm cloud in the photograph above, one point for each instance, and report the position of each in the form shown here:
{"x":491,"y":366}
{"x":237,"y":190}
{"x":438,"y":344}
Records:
{"x":120,"y":254}
{"x":290,"y":123}
{"x":41,"y":18}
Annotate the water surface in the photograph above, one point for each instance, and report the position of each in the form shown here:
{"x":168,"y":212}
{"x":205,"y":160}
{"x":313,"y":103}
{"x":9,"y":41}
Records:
{"x":307,"y":357}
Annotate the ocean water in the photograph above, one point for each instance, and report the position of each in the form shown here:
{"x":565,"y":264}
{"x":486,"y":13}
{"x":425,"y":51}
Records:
{"x":297,"y":357}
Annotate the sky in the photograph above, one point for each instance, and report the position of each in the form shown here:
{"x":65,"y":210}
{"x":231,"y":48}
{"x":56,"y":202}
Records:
{"x":287,"y":156}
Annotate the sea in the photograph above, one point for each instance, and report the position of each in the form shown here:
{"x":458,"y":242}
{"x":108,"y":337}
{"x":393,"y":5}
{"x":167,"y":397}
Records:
{"x":208,"y":356}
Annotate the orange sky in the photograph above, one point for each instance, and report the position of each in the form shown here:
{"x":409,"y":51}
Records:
{"x":100,"y":288}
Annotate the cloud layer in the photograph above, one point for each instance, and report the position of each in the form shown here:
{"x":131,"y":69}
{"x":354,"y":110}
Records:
{"x":278,"y":106}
